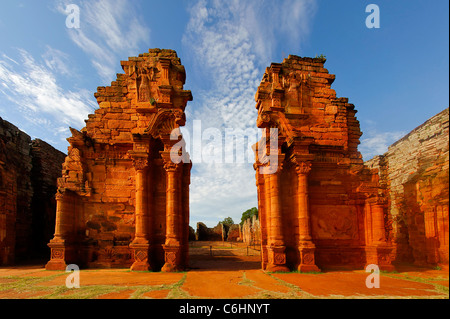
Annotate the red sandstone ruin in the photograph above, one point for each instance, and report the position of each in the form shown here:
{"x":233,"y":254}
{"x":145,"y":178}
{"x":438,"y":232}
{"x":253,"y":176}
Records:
{"x":322,"y":207}
{"x":121,"y":200}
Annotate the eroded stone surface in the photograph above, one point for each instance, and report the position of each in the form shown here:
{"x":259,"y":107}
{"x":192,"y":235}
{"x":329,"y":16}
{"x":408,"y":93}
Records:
{"x":415,"y":172}
{"x":319,"y":206}
{"x":28,"y":173}
{"x":123,"y":199}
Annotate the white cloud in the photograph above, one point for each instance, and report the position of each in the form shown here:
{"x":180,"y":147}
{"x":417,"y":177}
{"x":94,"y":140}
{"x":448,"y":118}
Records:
{"x":110,"y":30}
{"x":377,"y":143}
{"x":57,"y":61}
{"x":34,"y":88}
{"x":234,"y":41}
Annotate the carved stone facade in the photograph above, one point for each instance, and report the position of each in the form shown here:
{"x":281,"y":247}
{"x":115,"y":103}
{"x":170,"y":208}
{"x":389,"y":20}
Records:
{"x":320,"y":207}
{"x":123,"y":198}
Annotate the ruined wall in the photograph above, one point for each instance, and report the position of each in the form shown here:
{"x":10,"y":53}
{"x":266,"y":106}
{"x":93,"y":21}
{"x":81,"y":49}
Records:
{"x":415,"y":172}
{"x":319,"y":206}
{"x":251,"y":231}
{"x":15,"y":193}
{"x":220,"y":232}
{"x":28,"y":173}
{"x":121,"y":199}
{"x":234,"y":233}
{"x":204,"y":233}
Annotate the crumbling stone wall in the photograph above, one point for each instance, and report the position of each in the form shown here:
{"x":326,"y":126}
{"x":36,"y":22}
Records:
{"x":122,"y":201}
{"x":15,"y":193}
{"x":204,"y":233}
{"x":415,"y":172}
{"x":251,"y":231}
{"x":234,"y":233}
{"x":318,"y":205}
{"x":28,"y":173}
{"x":220,"y":232}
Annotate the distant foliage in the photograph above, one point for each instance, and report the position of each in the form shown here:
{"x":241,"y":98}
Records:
{"x":227,"y":221}
{"x":249,"y":214}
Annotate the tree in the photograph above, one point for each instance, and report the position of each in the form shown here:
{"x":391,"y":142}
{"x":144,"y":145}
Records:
{"x":227,"y":221}
{"x":249,"y":213}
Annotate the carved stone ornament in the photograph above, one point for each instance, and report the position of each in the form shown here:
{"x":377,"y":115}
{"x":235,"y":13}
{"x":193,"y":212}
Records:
{"x":140,"y":163}
{"x":303,"y":167}
{"x":57,"y":253}
{"x":140,"y":255}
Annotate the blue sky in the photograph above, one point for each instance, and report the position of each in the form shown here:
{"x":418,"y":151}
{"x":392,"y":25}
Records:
{"x":397,"y":76}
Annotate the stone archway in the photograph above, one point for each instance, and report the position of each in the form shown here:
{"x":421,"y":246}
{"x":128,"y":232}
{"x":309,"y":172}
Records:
{"x":123,"y":201}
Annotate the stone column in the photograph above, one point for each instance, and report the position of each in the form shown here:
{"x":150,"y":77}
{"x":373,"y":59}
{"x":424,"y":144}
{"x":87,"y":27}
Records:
{"x":306,"y":246}
{"x":58,"y":249}
{"x":172,"y":246}
{"x":379,"y":251}
{"x":185,"y":212}
{"x":141,"y":244}
{"x":165,"y":64}
{"x":263,"y":214}
{"x":378,"y":229}
{"x":276,"y":248}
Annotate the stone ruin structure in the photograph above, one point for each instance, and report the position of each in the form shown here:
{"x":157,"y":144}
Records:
{"x":122,"y":200}
{"x":415,"y":173}
{"x":28,"y":173}
{"x":204,"y":233}
{"x":221,"y":232}
{"x":250,"y":231}
{"x":320,"y":206}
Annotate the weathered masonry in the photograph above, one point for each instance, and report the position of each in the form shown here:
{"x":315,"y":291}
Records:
{"x":28,"y":173}
{"x":415,"y":172}
{"x":320,"y":207}
{"x":121,"y":200}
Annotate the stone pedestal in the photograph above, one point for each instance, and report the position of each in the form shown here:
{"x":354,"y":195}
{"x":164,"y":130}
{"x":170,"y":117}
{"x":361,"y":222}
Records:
{"x":380,"y":255}
{"x":307,"y":259}
{"x":276,"y":259}
{"x":141,"y":257}
{"x":172,"y":258}
{"x":57,"y":255}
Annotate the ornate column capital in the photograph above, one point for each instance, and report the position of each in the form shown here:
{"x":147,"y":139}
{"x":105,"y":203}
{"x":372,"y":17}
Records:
{"x":140,"y":163}
{"x":59,"y":195}
{"x":302,"y":167}
{"x":169,"y":166}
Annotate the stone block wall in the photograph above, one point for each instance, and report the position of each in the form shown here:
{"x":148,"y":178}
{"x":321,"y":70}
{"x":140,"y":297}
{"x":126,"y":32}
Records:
{"x":15,"y":193}
{"x":251,"y":231}
{"x":204,"y":233}
{"x":28,"y":173}
{"x":415,"y":173}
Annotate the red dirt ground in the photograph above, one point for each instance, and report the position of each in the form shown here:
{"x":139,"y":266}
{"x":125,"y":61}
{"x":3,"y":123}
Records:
{"x":221,"y":277}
